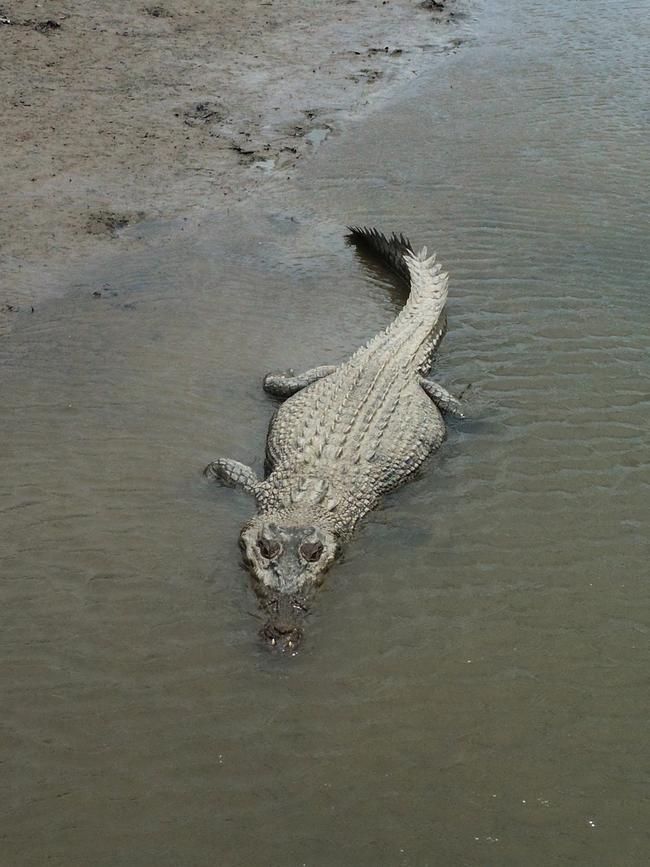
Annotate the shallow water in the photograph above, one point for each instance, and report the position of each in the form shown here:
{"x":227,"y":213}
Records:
{"x":474,"y":685}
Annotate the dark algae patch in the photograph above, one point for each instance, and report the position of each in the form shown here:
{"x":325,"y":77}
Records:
{"x":110,"y":222}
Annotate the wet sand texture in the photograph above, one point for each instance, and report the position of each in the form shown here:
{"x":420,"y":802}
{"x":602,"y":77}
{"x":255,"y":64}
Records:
{"x":120,"y":112}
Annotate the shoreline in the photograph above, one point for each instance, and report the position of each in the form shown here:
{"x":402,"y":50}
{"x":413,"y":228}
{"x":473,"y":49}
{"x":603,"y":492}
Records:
{"x":124,"y":116}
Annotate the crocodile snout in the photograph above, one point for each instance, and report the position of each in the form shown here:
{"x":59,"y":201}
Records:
{"x":283,"y":630}
{"x":281,"y":636}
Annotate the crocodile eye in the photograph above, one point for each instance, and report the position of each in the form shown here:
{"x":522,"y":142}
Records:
{"x":311,"y":551}
{"x":269,"y":548}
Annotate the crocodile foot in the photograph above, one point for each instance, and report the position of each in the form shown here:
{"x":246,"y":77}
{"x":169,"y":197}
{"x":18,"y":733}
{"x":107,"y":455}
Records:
{"x":232,"y":473}
{"x":443,"y":399}
{"x":285,"y":384}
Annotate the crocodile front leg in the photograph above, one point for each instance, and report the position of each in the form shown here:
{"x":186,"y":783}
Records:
{"x":285,"y":384}
{"x":445,"y":401}
{"x":233,"y":473}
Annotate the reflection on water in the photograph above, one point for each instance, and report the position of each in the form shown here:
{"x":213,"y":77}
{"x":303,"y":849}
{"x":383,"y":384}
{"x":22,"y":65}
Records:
{"x":473,"y":690}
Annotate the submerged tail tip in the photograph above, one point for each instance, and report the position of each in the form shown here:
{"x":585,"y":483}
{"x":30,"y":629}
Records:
{"x":376,"y":239}
{"x":362,"y":233}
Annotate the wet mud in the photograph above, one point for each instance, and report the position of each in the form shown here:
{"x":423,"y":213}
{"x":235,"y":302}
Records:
{"x":472,"y":684}
{"x":127,"y":109}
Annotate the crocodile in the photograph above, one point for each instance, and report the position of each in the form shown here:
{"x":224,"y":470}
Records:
{"x":344,"y":436}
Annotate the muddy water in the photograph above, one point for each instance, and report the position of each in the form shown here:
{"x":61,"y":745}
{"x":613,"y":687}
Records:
{"x":473,"y":689}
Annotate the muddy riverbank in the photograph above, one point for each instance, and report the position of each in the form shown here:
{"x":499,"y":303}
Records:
{"x":122,"y":114}
{"x":472,"y":685}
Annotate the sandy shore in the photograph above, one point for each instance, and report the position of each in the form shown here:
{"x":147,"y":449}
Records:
{"x":117,"y":113}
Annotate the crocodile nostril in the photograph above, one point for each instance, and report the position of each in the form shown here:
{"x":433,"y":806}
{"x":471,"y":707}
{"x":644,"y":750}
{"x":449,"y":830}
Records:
{"x":281,"y":636}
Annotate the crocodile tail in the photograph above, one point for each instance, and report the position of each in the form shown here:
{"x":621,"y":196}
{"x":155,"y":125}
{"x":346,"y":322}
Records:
{"x":428,"y":280}
{"x":423,"y":275}
{"x":389,"y":252}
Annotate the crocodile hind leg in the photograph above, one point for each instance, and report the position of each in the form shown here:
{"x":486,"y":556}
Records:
{"x":285,"y":384}
{"x":232,"y":473}
{"x":445,"y":401}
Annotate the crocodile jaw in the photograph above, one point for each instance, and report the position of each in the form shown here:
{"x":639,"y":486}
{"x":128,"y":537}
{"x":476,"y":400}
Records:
{"x":287,"y":556}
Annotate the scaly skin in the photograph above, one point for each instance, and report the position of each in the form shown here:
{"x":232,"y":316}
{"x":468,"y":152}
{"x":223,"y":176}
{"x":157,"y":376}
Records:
{"x":345,"y":436}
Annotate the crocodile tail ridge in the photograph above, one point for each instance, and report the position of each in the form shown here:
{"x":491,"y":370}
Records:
{"x":389,"y":251}
{"x":428,"y":280}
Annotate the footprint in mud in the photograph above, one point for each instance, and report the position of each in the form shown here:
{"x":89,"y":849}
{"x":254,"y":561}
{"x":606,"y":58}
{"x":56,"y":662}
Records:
{"x":442,"y":11}
{"x":395,"y":52}
{"x":436,"y":48}
{"x":267,"y":152}
{"x":314,"y":129}
{"x":110,"y":293}
{"x":202,"y":114}
{"x":47,"y":26}
{"x":247,"y":153}
{"x":158,"y":12}
{"x":15,"y":308}
{"x":386,"y":51}
{"x":108,"y":223}
{"x":247,"y":143}
{"x":107,"y":291}
{"x":281,"y":146}
{"x":369,"y":76}
{"x":317,"y":135}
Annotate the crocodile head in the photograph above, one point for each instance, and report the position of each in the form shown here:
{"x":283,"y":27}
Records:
{"x":287,"y":562}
